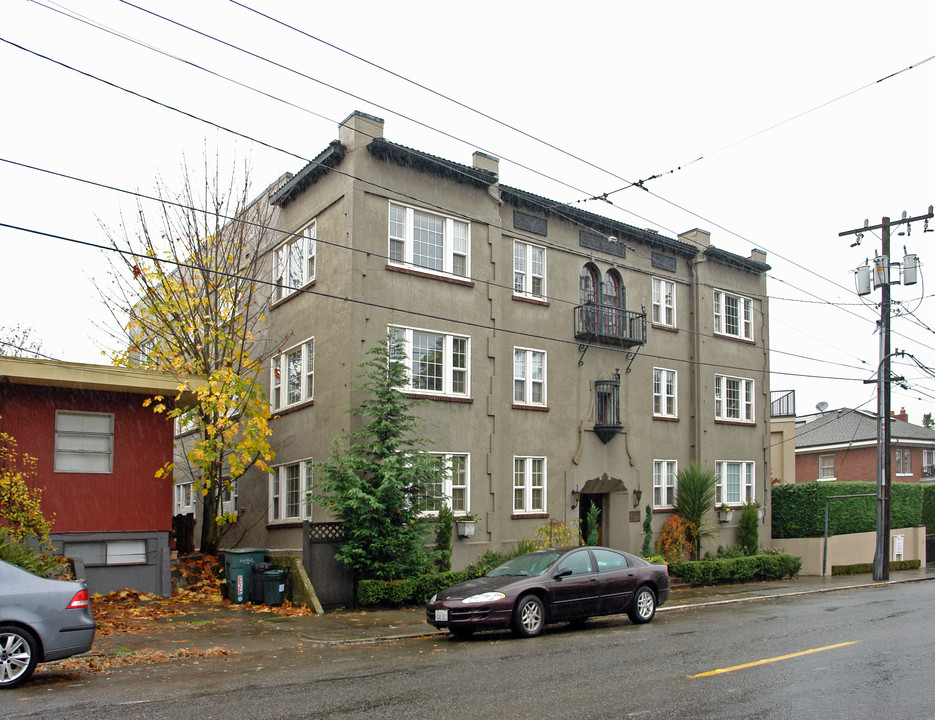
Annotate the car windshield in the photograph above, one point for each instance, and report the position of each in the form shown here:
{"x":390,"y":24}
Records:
{"x":531,"y":564}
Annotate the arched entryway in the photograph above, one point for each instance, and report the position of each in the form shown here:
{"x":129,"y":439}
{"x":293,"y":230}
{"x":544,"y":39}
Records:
{"x":596,"y":492}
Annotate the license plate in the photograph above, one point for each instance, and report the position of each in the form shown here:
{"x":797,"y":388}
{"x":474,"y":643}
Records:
{"x":441,"y":616}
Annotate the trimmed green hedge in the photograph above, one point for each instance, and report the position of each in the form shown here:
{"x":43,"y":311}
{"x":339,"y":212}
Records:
{"x":928,"y":508}
{"x":769,"y":566}
{"x":858,"y":568}
{"x":799,"y":509}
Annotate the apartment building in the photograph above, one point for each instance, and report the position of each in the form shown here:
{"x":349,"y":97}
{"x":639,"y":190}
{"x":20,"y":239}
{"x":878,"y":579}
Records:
{"x":568,"y":359}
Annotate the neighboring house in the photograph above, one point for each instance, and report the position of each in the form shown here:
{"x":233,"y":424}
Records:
{"x":842,"y":445}
{"x":98,"y":451}
{"x":782,"y":436}
{"x":568,"y":359}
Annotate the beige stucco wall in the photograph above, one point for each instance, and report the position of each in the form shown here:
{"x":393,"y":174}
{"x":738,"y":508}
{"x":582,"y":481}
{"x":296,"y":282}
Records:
{"x":851,"y":549}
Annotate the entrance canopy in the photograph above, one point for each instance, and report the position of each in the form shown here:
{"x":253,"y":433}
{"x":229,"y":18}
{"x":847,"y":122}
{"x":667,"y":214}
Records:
{"x":603,"y":484}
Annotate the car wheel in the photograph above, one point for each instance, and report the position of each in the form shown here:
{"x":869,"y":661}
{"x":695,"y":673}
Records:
{"x":19,"y":653}
{"x":528,"y":616}
{"x":643,"y":607}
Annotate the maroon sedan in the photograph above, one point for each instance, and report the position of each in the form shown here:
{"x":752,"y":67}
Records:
{"x":567,"y":584}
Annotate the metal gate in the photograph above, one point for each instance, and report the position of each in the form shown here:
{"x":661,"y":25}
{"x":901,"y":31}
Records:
{"x":333,"y":583}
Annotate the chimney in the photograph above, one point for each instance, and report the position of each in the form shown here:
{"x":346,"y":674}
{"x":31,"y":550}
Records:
{"x":359,"y":129}
{"x":483,"y":161}
{"x":901,"y":416}
{"x":696,"y":237}
{"x":758,"y":255}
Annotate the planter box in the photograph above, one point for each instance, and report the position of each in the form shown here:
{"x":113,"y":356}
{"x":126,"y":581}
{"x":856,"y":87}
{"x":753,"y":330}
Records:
{"x":465,"y":528}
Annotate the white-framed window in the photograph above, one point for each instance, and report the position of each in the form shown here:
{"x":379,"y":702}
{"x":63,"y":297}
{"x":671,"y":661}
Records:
{"x":735,"y":482}
{"x":455,"y":488}
{"x":186,"y":422}
{"x":733,"y":399}
{"x":928,"y":463}
{"x":84,"y":442}
{"x":664,"y":483}
{"x":903,"y":461}
{"x":295,"y":262}
{"x":663,"y":302}
{"x":228,"y":497}
{"x":529,"y":373}
{"x":528,"y":270}
{"x":665,"y":393}
{"x":826,"y":467}
{"x":184,"y":499}
{"x":437,"y":363}
{"x":429,"y":242}
{"x":529,"y":484}
{"x":733,"y":315}
{"x":292,"y":378}
{"x":289,"y":488}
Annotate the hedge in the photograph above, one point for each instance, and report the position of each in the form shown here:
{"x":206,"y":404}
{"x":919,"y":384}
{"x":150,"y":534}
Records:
{"x":769,"y":566}
{"x":858,"y":568}
{"x":928,"y":508}
{"x":798,"y":510}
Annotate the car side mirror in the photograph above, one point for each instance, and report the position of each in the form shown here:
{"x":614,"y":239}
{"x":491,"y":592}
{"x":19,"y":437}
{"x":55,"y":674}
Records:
{"x":563,"y":573}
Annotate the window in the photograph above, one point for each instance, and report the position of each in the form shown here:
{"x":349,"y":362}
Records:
{"x":186,"y":422}
{"x":578,"y":562}
{"x":608,"y":560}
{"x":184,"y":499}
{"x":84,"y":442}
{"x":289,"y":487}
{"x":429,"y":242}
{"x":295,"y":263}
{"x":456,"y":486}
{"x":928,"y":463}
{"x":826,"y":467}
{"x":665,"y":393}
{"x":528,"y":484}
{"x":528,"y":270}
{"x":733,"y":398}
{"x":293,"y":376}
{"x":733,"y":315}
{"x":663,"y":302}
{"x":664,"y":485}
{"x":229,"y":496}
{"x":903,"y":461}
{"x":528,"y":376}
{"x":108,"y":552}
{"x":437,"y":363}
{"x":735,"y":482}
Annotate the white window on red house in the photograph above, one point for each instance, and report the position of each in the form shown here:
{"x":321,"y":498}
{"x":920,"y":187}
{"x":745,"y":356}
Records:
{"x":84,"y":442}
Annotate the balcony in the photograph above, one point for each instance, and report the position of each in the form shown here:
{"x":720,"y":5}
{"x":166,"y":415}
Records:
{"x":609,"y":325}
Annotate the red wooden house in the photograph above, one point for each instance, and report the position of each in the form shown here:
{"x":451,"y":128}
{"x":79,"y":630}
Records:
{"x":98,"y":450}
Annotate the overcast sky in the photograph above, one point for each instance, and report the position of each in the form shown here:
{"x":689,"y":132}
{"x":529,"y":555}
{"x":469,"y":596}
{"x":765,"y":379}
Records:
{"x":798,"y":133}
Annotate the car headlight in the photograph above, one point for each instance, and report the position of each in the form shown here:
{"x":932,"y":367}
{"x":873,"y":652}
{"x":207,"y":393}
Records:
{"x":484,"y":597}
{"x":434,"y":598}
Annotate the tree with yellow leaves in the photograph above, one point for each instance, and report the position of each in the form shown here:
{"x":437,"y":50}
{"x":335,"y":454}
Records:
{"x":189,"y":300}
{"x":20,"y":505}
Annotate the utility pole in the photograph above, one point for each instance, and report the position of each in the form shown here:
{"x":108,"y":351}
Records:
{"x":881,"y":278}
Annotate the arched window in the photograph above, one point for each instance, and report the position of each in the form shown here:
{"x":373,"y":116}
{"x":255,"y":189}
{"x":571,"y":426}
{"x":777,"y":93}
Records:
{"x":612,"y":300}
{"x":588,"y":284}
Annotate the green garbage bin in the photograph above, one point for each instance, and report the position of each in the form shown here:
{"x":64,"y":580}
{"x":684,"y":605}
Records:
{"x":274,"y":586}
{"x":238,"y":564}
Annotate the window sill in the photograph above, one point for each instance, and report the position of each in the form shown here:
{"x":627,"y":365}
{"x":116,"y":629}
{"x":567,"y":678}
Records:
{"x":285,"y":525}
{"x":529,"y":516}
{"x":531,"y":300}
{"x":665,"y":328}
{"x":453,"y":279}
{"x":666,"y":418}
{"x":831,"y":479}
{"x":737,"y":423}
{"x":294,"y":293}
{"x":735,"y":338}
{"x":657,"y":510}
{"x":533,"y":408}
{"x":439,"y":398}
{"x":292,"y":409}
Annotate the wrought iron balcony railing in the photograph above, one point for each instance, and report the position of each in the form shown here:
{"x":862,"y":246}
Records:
{"x":609,"y":325}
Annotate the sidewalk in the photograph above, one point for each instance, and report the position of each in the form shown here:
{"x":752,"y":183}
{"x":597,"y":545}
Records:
{"x":241,"y":629}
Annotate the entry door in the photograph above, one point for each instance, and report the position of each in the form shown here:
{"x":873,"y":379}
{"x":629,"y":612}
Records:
{"x":583,"y":507}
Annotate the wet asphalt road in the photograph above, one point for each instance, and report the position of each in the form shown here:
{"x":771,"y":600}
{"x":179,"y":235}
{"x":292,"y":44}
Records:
{"x":862,"y":653}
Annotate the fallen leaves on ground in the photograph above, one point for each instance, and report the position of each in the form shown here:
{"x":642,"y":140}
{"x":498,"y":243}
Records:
{"x":98,"y":663}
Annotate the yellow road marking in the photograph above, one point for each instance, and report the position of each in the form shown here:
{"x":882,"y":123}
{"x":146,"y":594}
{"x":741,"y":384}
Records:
{"x":720,"y":671}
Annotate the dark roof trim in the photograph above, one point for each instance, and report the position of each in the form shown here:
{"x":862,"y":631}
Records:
{"x":737,"y":261}
{"x":598,"y":223}
{"x":407,"y":157}
{"x":319,"y":167}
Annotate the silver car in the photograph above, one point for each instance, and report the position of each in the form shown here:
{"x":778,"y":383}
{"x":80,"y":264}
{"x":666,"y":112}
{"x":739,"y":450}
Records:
{"x":40,"y":620}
